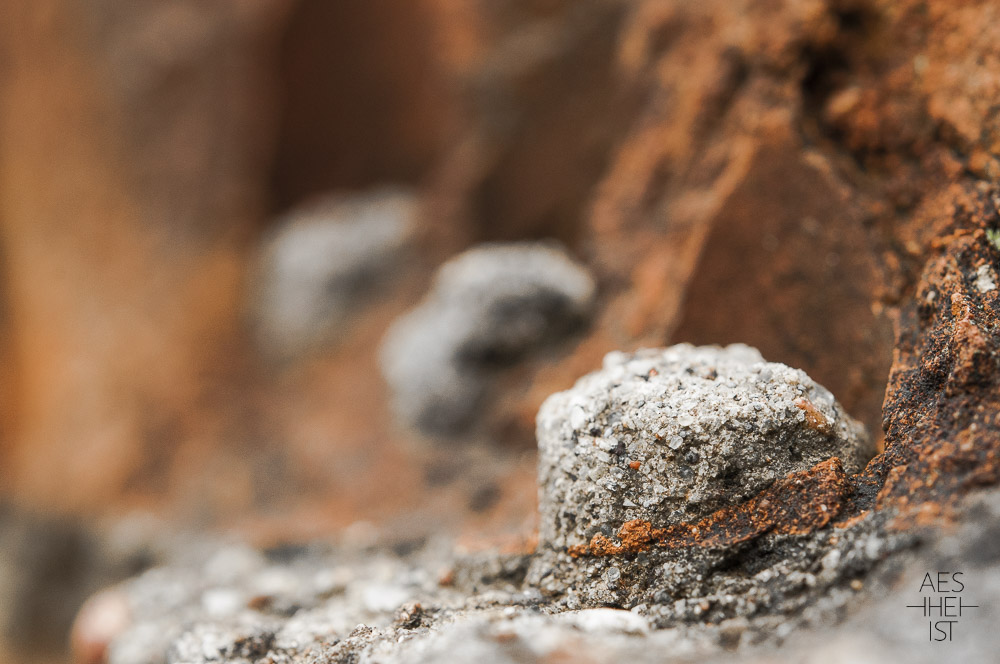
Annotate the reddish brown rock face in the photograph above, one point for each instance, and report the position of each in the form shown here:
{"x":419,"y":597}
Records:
{"x":942,"y":428}
{"x":130,"y":182}
{"x":802,"y":249}
{"x":365,"y":99}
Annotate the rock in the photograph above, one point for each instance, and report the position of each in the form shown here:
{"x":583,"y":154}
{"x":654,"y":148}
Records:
{"x":749,"y":557}
{"x":942,"y":436}
{"x":606,"y":620}
{"x":480,"y":617}
{"x":672,"y":435}
{"x":487,"y":309}
{"x":101,"y":619}
{"x":660,"y":471}
{"x":324,"y":258}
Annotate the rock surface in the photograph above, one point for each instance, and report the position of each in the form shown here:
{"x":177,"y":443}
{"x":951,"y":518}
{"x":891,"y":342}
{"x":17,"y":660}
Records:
{"x":323,"y":259}
{"x":813,"y":177}
{"x":676,"y":455}
{"x":673,"y":435}
{"x":761,"y":555}
{"x":344,"y":602}
{"x":487,"y":309}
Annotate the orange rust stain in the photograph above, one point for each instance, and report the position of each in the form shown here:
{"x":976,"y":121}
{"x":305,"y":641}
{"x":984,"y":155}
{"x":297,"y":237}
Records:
{"x":636,"y":535}
{"x":814,"y":418}
{"x":852,"y":521}
{"x":602,"y":546}
{"x":447,"y":578}
{"x":922,"y":515}
{"x":800,"y":503}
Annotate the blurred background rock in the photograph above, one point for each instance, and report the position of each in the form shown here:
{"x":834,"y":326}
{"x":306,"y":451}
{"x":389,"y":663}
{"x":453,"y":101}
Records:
{"x":768,"y":173}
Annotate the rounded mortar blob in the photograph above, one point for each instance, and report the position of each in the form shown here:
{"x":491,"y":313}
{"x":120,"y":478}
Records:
{"x":324,"y":260}
{"x":671,"y":435}
{"x":488,"y":308}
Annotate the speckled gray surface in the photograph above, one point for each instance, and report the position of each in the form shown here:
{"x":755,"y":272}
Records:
{"x":345,"y":603}
{"x":360,"y":602}
{"x":322,"y":259}
{"x":487,"y":308}
{"x":702,"y":427}
{"x":671,"y":435}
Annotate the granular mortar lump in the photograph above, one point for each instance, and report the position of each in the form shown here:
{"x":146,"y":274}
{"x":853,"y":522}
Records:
{"x":673,"y":479}
{"x":672,"y":435}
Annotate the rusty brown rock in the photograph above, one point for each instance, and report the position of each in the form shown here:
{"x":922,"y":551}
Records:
{"x":942,"y":429}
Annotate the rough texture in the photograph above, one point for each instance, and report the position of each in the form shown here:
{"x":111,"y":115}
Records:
{"x":941,"y":410}
{"x":487,"y":309}
{"x":797,"y":504}
{"x":362,"y":603}
{"x":323,"y":259}
{"x":886,"y":627}
{"x":801,"y":175}
{"x":672,"y":435}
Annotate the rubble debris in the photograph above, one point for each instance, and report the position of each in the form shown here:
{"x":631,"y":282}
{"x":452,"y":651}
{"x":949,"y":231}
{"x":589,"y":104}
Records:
{"x":710,"y":428}
{"x":322,"y":261}
{"x":488,"y":308}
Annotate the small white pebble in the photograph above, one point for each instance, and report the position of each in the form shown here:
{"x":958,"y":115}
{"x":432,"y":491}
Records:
{"x":606,"y":620}
{"x":984,"y":279}
{"x":831,"y":560}
{"x":222,"y":602}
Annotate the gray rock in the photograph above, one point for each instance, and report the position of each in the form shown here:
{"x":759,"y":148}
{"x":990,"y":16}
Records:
{"x":891,"y":625}
{"x":487,"y":309}
{"x":669,"y":436}
{"x":322,"y":262}
{"x":361,"y":603}
{"x":707,"y":427}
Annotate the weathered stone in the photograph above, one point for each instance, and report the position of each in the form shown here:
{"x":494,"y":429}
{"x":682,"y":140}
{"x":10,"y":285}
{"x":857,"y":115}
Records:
{"x":322,"y":261}
{"x":488,"y":308}
{"x":668,"y":436}
{"x":940,"y":411}
{"x":316,"y":606}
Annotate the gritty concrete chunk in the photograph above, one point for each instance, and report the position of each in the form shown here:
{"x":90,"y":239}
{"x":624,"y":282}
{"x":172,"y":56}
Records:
{"x":672,"y":435}
{"x":322,"y":261}
{"x":487,"y":308}
{"x":662,"y":473}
